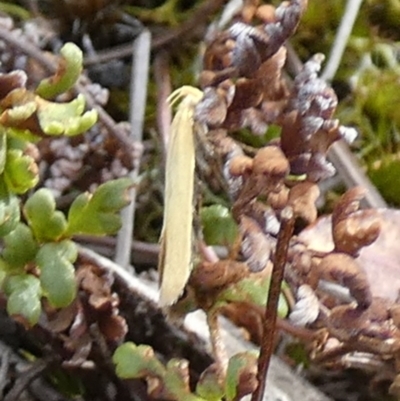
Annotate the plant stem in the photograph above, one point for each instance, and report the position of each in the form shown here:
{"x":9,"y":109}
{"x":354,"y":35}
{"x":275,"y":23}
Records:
{"x":269,"y":324}
{"x":217,"y":344}
{"x":138,"y":95}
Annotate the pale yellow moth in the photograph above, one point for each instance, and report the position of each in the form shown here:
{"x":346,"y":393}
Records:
{"x":175,"y":262}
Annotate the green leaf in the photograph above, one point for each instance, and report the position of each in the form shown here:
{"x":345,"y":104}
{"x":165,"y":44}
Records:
{"x":57,"y":273}
{"x":98,"y":214}
{"x":23,"y":297}
{"x":134,"y":361}
{"x":241,"y":368}
{"x":68,"y":72}
{"x":209,"y":386}
{"x":176,"y":381}
{"x":253,"y":289}
{"x":21,"y":172}
{"x":46,"y":222}
{"x":65,"y":118}
{"x":9,"y":210}
{"x":219,"y":228}
{"x":19,"y":247}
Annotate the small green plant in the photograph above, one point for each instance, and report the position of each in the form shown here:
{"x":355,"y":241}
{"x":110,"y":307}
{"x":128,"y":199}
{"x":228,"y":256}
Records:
{"x":171,"y":381}
{"x":37,"y":258}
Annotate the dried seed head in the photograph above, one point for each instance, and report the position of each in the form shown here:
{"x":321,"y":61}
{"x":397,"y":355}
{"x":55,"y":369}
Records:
{"x":356,"y":231}
{"x":302,"y":198}
{"x":212,"y":109}
{"x":271,"y":161}
{"x":348,"y":204}
{"x":278,"y":200}
{"x":240,"y":165}
{"x":248,"y":93}
{"x":345,"y":270}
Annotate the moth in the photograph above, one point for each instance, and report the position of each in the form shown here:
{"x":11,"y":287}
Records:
{"x":175,"y":261}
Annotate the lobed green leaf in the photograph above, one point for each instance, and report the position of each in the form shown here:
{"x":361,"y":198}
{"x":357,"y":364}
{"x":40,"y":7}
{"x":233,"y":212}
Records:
{"x":65,"y":118}
{"x":57,"y":273}
{"x":20,"y":172}
{"x":98,"y":213}
{"x":68,"y":72}
{"x":23,"y":297}
{"x":19,"y":247}
{"x":46,"y":222}
{"x":134,"y":361}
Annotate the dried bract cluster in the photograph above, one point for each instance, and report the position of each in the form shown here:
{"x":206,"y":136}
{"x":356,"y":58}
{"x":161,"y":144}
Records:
{"x":244,"y":87}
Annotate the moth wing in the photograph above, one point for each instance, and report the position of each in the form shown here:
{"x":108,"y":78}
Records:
{"x":175,"y":261}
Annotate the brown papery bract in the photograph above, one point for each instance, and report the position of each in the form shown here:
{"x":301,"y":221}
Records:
{"x":302,"y":198}
{"x":344,"y":269}
{"x":270,"y":161}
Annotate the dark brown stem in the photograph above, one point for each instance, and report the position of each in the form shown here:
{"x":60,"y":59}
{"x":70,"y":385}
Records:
{"x":269,"y":324}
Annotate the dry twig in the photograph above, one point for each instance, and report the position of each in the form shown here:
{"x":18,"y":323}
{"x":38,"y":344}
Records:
{"x":138,"y":94}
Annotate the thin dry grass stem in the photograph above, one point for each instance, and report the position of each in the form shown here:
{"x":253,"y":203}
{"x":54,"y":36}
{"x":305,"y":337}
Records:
{"x":269,"y":324}
{"x":138,"y":95}
{"x":341,"y":38}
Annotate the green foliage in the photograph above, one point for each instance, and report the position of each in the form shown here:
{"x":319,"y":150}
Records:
{"x":69,"y":69}
{"x":23,"y":297}
{"x":135,"y":362}
{"x":46,"y":222}
{"x":20,"y":248}
{"x":57,"y":274}
{"x":219,"y":227}
{"x":37,"y":257}
{"x":253,"y":289}
{"x":66,"y":118}
{"x":97,"y":214}
{"x":20,"y":172}
{"x":45,"y":243}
